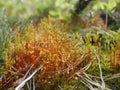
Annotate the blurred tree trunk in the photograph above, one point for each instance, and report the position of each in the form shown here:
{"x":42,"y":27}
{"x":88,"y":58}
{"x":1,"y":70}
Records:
{"x":80,"y":6}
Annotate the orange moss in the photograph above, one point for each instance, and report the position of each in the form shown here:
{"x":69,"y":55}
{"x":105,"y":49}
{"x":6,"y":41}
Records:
{"x":49,"y":46}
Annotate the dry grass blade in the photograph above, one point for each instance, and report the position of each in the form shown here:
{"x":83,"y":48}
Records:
{"x":91,"y":84}
{"x":87,"y":84}
{"x":60,"y":87}
{"x":89,"y":80}
{"x":103,"y":83}
{"x":112,"y":77}
{"x":28,"y":71}
{"x":19,"y":87}
{"x":33,"y":83}
{"x":80,"y":71}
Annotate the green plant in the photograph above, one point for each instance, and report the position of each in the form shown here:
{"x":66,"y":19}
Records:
{"x":49,"y":46}
{"x":5,"y":32}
